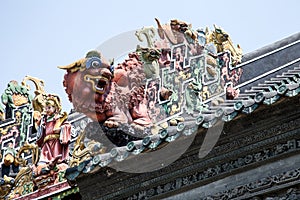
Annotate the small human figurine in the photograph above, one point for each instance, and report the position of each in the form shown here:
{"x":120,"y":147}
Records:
{"x":54,"y":133}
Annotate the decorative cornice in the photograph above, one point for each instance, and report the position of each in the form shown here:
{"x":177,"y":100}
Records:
{"x":197,"y":174}
{"x":49,"y":191}
{"x":253,"y":188}
{"x":228,"y":167}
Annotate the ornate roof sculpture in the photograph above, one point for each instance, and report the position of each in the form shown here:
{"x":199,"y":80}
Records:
{"x":24,"y":136}
{"x":176,"y":78}
{"x":270,"y":77}
{"x":184,"y":80}
{"x":167,"y":67}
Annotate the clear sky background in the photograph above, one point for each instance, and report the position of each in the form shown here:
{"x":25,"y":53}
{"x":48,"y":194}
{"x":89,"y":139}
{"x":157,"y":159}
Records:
{"x":37,"y":36}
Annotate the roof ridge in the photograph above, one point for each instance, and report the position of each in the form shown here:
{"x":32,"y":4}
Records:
{"x":270,"y":92}
{"x":285,"y":42}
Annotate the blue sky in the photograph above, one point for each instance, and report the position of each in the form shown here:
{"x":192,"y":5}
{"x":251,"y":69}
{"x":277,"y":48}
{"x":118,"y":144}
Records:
{"x":37,"y":36}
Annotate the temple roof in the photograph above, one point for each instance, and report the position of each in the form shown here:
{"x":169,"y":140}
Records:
{"x":271,"y":73}
{"x":213,"y":87}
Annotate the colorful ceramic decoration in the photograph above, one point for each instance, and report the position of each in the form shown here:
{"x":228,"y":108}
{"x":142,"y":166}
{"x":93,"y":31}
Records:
{"x":181,"y":80}
{"x":180,"y":73}
{"x":35,"y":138}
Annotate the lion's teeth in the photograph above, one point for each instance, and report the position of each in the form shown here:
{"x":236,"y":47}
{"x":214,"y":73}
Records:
{"x":100,"y":88}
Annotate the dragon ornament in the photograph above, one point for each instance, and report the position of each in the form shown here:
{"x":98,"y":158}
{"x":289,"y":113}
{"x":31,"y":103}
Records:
{"x":38,"y":102}
{"x":223,"y":42}
{"x":84,"y":152}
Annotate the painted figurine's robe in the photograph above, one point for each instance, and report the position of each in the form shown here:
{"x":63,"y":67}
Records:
{"x":53,"y":142}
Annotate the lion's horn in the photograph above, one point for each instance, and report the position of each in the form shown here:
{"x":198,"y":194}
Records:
{"x":75,"y":65}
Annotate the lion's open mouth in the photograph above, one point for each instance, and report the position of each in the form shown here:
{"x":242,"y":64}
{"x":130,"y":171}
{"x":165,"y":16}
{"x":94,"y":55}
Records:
{"x":99,"y":82}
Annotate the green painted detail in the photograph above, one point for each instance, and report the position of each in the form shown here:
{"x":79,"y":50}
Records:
{"x":163,"y":134}
{"x":180,"y":126}
{"x":66,"y":193}
{"x":259,"y":97}
{"x":61,"y":175}
{"x":130,"y":146}
{"x":281,"y":89}
{"x":199,"y":119}
{"x":27,"y":188}
{"x":146,"y":141}
{"x":14,"y":88}
{"x":238,"y":106}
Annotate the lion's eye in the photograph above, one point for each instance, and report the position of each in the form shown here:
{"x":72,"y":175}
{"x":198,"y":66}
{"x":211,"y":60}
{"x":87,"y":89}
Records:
{"x":93,"y":62}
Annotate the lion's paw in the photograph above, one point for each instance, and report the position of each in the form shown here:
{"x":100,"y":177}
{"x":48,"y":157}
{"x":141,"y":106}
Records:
{"x":111,"y":124}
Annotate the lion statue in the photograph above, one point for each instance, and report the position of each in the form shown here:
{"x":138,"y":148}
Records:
{"x":107,"y":94}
